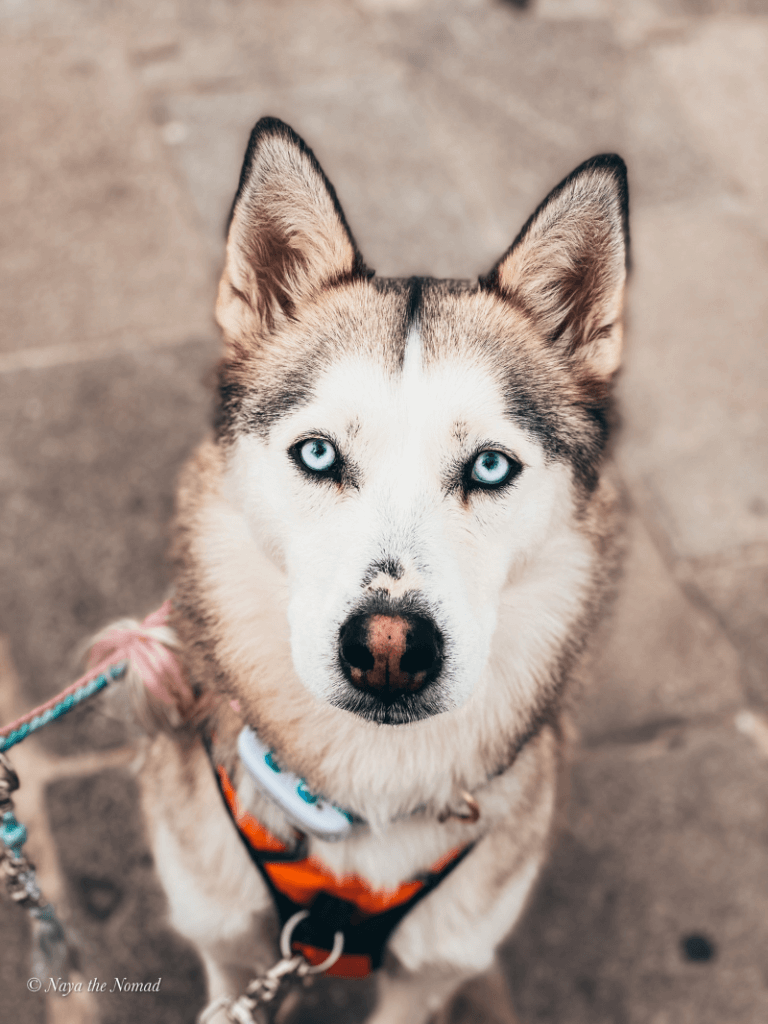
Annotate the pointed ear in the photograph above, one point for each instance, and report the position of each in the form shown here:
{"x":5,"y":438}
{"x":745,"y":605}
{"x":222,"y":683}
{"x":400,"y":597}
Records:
{"x":287,"y":237}
{"x":568,"y":265}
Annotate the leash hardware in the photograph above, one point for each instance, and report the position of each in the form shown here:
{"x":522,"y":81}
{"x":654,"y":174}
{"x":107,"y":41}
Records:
{"x":470,"y":817}
{"x":9,"y":782}
{"x":285,"y":945}
{"x":264,"y":989}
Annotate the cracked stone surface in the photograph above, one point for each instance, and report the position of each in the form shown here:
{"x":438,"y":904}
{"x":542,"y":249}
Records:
{"x":442,"y":124}
{"x":116,"y":904}
{"x":88,"y":210}
{"x":81,"y":547}
{"x":604,"y":939}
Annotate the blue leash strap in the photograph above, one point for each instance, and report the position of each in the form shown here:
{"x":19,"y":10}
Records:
{"x":70,"y":701}
{"x":49,"y":943}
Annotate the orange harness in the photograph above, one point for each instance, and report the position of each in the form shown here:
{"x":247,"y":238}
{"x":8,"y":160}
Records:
{"x":367,"y":917}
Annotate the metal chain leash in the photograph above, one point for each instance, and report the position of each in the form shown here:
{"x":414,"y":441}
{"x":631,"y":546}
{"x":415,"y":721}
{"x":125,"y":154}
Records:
{"x":246,"y":1009}
{"x":49,"y":946}
{"x":142,"y":652}
{"x":18,"y":870}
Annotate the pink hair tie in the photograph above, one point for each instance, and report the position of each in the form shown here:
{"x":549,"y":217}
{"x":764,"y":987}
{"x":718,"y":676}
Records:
{"x":150,"y":649}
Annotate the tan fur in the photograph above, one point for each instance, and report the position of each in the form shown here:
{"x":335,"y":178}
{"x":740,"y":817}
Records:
{"x":552,"y":271}
{"x":312,"y":340}
{"x":287,"y":238}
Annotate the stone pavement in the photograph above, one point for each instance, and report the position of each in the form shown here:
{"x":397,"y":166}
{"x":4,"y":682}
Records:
{"x":442,"y":124}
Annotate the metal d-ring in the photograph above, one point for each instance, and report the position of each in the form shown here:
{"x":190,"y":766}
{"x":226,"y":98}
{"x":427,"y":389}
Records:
{"x":285,"y":944}
{"x":473,"y":810}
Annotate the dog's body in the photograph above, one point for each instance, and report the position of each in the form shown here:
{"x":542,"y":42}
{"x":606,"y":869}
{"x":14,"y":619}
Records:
{"x":388,"y":561}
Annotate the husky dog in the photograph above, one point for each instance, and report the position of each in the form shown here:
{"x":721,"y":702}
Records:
{"x":388,"y":559}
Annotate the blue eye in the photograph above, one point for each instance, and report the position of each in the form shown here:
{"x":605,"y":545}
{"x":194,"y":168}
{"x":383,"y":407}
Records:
{"x":317,"y":454}
{"x":491,"y":469}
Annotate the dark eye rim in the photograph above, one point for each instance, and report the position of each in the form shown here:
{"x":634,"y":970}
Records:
{"x":333,"y":472}
{"x":469,"y":482}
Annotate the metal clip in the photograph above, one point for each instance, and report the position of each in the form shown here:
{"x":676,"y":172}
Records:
{"x":472,"y":813}
{"x":263,"y":990}
{"x":9,"y":780}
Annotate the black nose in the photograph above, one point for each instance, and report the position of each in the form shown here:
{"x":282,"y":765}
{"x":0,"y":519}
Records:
{"x":390,"y":655}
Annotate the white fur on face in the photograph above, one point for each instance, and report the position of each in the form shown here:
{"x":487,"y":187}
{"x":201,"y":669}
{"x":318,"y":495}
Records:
{"x":405,"y":436}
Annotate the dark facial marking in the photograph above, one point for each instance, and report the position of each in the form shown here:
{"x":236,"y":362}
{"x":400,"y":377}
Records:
{"x":410,"y":707}
{"x":244,"y":409}
{"x":570,"y":429}
{"x":391,"y":567}
{"x":227,"y":408}
{"x":460,"y":432}
{"x":416,"y":287}
{"x":271,"y":407}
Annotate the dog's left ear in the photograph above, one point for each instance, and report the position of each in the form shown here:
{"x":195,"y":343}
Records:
{"x":568,"y":265}
{"x":287,"y":237}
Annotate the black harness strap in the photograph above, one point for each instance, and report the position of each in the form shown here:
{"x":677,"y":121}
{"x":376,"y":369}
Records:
{"x":364,"y":934}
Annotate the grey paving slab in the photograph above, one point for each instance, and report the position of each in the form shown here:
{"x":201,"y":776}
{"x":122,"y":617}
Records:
{"x":439,"y":149}
{"x":368,"y":191}
{"x":208,"y":44}
{"x":89,"y":458}
{"x":17,"y":1002}
{"x":96,"y":239}
{"x":693,"y":390}
{"x":718,"y":74}
{"x":117,"y":908}
{"x":666,"y":162}
{"x":333,"y":1001}
{"x":662,"y":845}
{"x":723,"y":7}
{"x":737,"y":590}
{"x":656,"y":17}
{"x":658,"y":658}
{"x":212,"y":46}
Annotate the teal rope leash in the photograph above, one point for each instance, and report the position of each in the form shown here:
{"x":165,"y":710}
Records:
{"x":50,"y":714}
{"x":49,"y":947}
{"x":143,"y":652}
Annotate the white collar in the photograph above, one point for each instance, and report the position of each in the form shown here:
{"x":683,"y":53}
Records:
{"x":307,"y":811}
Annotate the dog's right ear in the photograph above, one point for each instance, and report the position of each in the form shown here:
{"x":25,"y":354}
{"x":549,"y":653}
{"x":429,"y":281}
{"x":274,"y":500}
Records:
{"x":287,"y":237}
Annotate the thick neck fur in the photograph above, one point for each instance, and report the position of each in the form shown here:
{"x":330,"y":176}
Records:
{"x":231,"y":602}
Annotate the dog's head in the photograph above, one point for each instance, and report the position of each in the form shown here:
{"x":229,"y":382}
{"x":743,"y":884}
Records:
{"x":417,"y":458}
